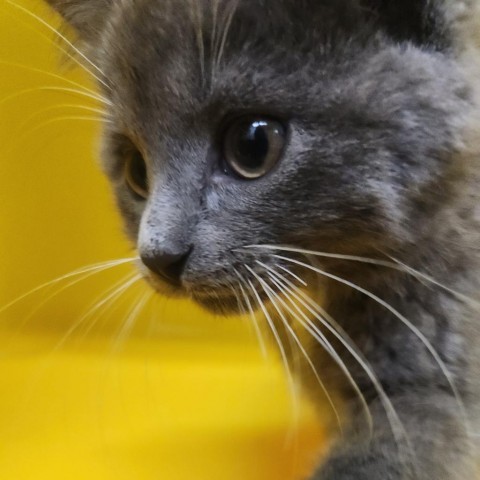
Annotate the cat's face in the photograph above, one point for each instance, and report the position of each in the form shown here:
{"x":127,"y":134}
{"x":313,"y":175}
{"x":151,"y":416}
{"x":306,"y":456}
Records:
{"x":232,"y":124}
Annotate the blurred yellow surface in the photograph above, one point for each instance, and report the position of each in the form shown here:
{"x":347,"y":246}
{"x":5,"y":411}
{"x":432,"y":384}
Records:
{"x":90,"y":394}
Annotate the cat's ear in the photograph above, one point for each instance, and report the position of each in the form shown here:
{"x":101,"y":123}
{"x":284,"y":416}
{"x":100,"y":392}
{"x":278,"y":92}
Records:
{"x":418,"y":21}
{"x":85,"y":16}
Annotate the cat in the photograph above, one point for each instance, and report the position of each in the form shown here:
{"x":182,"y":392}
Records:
{"x":317,"y":161}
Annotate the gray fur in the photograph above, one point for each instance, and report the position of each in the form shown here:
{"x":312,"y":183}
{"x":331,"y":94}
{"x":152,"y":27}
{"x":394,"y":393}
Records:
{"x":381,"y":160}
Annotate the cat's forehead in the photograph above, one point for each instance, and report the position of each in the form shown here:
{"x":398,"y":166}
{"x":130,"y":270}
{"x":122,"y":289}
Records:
{"x":188,"y":33}
{"x":171,"y":55}
{"x":214,"y":17}
{"x":184,"y":60}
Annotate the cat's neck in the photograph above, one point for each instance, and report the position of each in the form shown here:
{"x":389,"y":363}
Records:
{"x":410,"y":323}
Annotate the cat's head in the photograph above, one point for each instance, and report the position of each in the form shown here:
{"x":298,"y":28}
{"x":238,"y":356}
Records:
{"x":326,"y":125}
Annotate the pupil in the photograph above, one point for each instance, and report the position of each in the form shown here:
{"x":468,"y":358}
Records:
{"x":253,"y":146}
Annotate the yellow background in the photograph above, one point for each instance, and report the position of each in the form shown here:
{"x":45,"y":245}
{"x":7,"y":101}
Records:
{"x":178,"y":396}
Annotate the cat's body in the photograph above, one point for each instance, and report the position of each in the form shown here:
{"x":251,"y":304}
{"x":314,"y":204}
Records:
{"x":339,"y":126}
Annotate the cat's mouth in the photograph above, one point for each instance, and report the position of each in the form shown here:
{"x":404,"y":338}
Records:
{"x":223,"y":303}
{"x":225,"y":299}
{"x":229,"y":303}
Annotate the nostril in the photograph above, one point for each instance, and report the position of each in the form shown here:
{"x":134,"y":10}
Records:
{"x":174,"y":268}
{"x":167,"y":265}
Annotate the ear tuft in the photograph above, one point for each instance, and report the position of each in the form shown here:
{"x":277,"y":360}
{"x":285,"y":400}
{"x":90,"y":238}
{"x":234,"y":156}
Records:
{"x":85,"y":16}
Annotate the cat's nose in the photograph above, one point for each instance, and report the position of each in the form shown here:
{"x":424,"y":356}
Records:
{"x":167,"y":265}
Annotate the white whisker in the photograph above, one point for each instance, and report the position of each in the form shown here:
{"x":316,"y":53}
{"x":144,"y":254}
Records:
{"x":315,"y":253}
{"x":296,"y":277}
{"x":96,"y":267}
{"x":119,"y":288}
{"x":131,"y":319}
{"x":57,"y":292}
{"x":53,"y":88}
{"x":240,"y":305}
{"x":319,"y":336}
{"x":58,"y":77}
{"x":398,"y":315}
{"x":66,"y":118}
{"x":213,"y":39}
{"x":281,"y":348}
{"x":61,"y":107}
{"x":196,"y":10}
{"x":336,"y":329}
{"x":274,"y":297}
{"x":64,"y":39}
{"x":226,"y":30}
{"x":394,"y":264}
{"x":48,"y":359}
{"x":403,"y":267}
{"x":253,"y":317}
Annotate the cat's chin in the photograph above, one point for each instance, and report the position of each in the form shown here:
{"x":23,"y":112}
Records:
{"x":218,"y":304}
{"x":227,"y":303}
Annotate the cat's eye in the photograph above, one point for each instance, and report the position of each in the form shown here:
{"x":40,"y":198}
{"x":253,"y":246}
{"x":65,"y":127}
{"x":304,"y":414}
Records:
{"x":136,"y":174}
{"x":253,"y":146}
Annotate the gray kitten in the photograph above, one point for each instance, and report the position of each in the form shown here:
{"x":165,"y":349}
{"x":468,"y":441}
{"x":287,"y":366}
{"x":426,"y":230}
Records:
{"x":259,"y":146}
